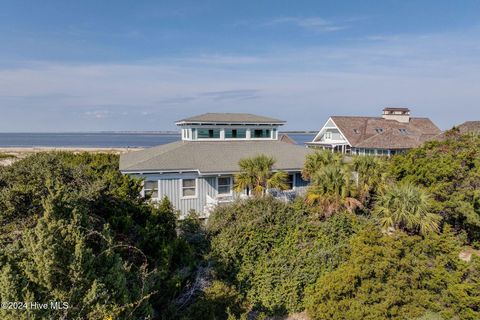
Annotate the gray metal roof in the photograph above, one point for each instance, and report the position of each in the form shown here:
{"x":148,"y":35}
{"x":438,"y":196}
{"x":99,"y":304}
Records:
{"x":212,"y":156}
{"x":230,"y":118}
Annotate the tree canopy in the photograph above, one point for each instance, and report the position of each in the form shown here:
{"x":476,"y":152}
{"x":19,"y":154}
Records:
{"x":373,"y":238}
{"x":74,"y":230}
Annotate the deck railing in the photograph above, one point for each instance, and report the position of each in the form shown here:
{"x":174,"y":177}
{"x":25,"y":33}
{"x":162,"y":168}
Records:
{"x":284,"y":195}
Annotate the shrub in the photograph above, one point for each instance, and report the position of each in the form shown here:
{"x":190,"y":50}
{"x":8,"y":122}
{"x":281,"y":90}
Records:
{"x":270,"y":250}
{"x":397,"y":277}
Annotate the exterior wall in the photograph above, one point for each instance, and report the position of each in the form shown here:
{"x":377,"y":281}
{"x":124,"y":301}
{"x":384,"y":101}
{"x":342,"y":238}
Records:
{"x":190,"y":132}
{"x":397,"y":116}
{"x":170,"y":186}
{"x":335,"y":135}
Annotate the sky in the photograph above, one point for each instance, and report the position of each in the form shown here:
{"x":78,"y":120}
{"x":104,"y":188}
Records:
{"x":140,"y":65}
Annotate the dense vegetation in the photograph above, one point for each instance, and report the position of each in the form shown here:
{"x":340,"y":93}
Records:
{"x":450,"y":172}
{"x":74,"y":230}
{"x":371,"y":238}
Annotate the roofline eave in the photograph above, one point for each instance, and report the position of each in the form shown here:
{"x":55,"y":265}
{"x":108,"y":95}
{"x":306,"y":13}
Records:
{"x":156,"y":171}
{"x":205,"y":173}
{"x":246,"y":123}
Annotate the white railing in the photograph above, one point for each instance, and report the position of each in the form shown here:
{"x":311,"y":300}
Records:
{"x":287,"y":195}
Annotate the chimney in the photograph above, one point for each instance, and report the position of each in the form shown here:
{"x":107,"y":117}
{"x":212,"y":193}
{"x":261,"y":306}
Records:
{"x":397,"y":114}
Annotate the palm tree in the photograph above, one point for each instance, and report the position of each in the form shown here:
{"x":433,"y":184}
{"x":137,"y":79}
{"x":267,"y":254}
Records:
{"x":406,"y":207}
{"x":317,"y":160}
{"x":331,"y":188}
{"x":370,"y":176}
{"x":257,"y":175}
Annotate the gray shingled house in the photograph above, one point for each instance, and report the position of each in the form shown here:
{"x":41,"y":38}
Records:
{"x":198,"y":171}
{"x":395,"y":131}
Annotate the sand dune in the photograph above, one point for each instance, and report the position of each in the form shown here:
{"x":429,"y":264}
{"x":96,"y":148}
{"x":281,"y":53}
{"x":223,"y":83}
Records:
{"x":22,"y":152}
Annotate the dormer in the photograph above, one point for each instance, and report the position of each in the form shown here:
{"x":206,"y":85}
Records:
{"x":229,"y":126}
{"x":397,"y":114}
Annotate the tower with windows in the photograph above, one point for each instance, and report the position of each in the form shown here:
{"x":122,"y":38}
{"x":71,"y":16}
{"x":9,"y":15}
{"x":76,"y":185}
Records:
{"x":229,"y":126}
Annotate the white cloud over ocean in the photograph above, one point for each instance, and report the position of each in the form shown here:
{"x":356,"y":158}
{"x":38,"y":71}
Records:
{"x":437,"y":75}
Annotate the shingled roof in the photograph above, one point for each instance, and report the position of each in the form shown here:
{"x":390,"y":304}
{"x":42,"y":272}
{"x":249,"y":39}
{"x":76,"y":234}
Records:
{"x":361,"y":132}
{"x":472,"y":127}
{"x":212,"y":156}
{"x":230,"y":118}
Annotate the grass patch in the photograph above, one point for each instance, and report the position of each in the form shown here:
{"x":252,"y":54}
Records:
{"x":6,"y":156}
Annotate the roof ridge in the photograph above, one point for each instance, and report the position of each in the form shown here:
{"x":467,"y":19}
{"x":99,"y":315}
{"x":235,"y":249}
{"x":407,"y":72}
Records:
{"x":159,"y":147}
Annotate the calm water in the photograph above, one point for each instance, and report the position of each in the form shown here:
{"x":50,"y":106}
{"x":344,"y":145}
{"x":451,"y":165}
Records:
{"x":102,"y":140}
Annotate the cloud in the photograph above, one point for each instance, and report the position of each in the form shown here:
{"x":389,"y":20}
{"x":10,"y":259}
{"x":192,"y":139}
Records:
{"x":98,"y":114}
{"x":316,"y":24}
{"x":240,"y":94}
{"x":437,"y":75}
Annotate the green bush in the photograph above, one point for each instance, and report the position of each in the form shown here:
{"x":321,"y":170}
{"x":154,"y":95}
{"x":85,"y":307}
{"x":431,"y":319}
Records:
{"x":398,"y":277}
{"x":271,"y":250}
{"x":450,"y":170}
{"x":74,"y":229}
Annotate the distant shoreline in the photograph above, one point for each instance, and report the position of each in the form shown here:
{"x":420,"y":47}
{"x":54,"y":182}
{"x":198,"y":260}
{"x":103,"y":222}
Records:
{"x":21,"y":150}
{"x":141,"y":132}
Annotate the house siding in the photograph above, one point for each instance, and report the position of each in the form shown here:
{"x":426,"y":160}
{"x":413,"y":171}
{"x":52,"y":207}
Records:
{"x":335,"y":135}
{"x":170,"y":186}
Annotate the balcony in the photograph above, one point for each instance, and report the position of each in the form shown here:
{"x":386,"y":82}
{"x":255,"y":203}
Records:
{"x":284,"y":195}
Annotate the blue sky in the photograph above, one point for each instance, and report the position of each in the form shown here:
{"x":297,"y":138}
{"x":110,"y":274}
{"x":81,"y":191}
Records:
{"x":141,"y":65}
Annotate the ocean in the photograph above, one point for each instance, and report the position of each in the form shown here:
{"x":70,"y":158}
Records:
{"x":103,"y":139}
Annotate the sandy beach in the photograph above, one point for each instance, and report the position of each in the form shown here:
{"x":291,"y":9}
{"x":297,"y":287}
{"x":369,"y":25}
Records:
{"x":17,"y":153}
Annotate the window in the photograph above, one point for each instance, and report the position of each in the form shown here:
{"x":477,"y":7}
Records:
{"x":261,"y":133}
{"x":189,"y":188}
{"x":403,"y":131}
{"x":328,"y":135}
{"x":356,"y":131}
{"x":379,"y":130}
{"x":208,"y":134}
{"x":290,"y":182}
{"x":224,"y":185}
{"x":235,"y":133}
{"x":150,"y":188}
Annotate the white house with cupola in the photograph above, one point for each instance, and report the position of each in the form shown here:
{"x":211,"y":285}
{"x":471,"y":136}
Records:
{"x":197,"y":173}
{"x":393,"y":132}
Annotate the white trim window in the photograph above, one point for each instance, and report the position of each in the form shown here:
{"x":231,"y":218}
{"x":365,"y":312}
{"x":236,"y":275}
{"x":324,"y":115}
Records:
{"x":261,"y":133}
{"x":150,"y":188}
{"x":224,"y":185}
{"x":328,"y":135}
{"x":208,"y":133}
{"x":235,"y":133}
{"x":189,"y":188}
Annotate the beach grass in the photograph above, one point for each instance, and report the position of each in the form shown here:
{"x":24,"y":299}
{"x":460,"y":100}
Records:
{"x":6,"y":156}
